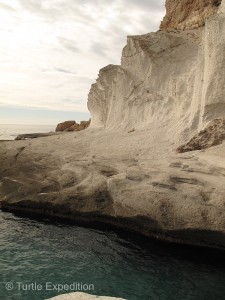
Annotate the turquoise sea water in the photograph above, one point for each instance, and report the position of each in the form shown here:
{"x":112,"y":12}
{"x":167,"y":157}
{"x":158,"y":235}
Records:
{"x":34,"y":252}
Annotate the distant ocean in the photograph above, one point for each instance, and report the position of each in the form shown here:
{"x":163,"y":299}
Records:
{"x":9,"y":132}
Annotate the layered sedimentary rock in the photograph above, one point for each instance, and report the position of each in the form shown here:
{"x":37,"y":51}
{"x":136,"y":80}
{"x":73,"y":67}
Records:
{"x":188,"y":14}
{"x":124,"y":169}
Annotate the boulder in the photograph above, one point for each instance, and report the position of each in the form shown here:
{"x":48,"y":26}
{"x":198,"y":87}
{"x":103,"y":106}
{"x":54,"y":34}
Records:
{"x":65,"y":125}
{"x":73,"y":126}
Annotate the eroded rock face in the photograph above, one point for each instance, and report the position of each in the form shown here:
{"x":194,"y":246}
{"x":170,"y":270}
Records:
{"x":173,"y":79}
{"x":188,"y":14}
{"x":101,"y":97}
{"x":212,"y":135}
{"x":65,"y":125}
{"x":150,"y":87}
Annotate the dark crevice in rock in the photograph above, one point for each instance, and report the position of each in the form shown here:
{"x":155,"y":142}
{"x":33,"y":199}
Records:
{"x":217,"y":2}
{"x":19,"y":152}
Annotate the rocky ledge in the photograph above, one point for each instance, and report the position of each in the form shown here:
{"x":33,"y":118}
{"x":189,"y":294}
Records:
{"x":129,"y":180}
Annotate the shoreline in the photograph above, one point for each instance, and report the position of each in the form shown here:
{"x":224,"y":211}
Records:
{"x":26,"y":136}
{"x":61,"y":177}
{"x":104,"y":222}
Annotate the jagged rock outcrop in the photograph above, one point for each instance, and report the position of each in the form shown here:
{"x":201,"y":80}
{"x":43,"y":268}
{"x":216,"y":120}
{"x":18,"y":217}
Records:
{"x":101,"y":95}
{"x":64,"y":126}
{"x":124,"y":169}
{"x":72,"y":126}
{"x":78,"y":127}
{"x":188,"y":14}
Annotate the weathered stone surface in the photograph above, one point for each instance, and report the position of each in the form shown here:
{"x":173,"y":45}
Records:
{"x":101,"y":94}
{"x":212,"y":135}
{"x":78,"y":127}
{"x":65,"y":125}
{"x":171,"y":78}
{"x":135,"y":181}
{"x":188,"y":14}
{"x":82,"y":296}
{"x":73,"y":126}
{"x":158,"y":70}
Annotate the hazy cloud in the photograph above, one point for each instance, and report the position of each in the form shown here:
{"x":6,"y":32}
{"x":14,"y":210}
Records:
{"x":65,"y":71}
{"x":43,"y":41}
{"x":31,"y":5}
{"x":71,"y":101}
{"x":99,"y":49}
{"x":68,"y":44}
{"x":37,"y":7}
{"x":6,"y":7}
{"x":146,"y":4}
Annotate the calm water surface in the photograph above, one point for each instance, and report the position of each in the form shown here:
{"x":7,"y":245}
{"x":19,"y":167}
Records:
{"x":10,"y":132}
{"x":116,"y":264}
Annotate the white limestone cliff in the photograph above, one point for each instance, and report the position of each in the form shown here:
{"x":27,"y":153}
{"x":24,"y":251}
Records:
{"x":171,"y":78}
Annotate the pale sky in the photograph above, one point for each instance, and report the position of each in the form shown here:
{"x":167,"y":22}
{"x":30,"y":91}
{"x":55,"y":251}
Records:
{"x":51,"y":52}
